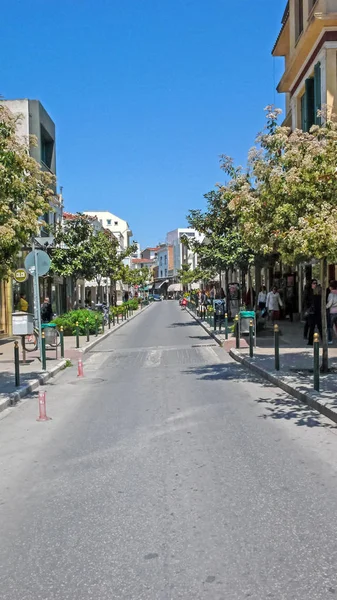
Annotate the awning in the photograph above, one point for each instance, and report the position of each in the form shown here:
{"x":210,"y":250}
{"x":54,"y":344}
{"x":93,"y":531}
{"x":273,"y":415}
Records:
{"x":175,"y":287}
{"x":158,"y":285}
{"x":145,"y":289}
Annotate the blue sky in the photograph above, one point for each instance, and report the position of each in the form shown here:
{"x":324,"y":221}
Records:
{"x":145,"y":94}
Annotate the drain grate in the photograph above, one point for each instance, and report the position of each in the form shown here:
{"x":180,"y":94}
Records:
{"x":204,"y":346}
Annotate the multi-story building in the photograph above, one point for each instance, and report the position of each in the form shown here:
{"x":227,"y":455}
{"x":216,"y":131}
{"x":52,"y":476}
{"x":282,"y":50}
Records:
{"x":150,"y":253}
{"x":181,"y":254}
{"x":308,"y":43}
{"x":34,"y":120}
{"x":119,"y":227}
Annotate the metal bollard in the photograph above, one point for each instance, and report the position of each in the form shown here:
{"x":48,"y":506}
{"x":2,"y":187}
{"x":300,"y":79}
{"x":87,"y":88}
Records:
{"x":316,"y":362}
{"x":17,"y":363}
{"x":277,"y":347}
{"x":96,"y":326}
{"x":117,"y":317}
{"x":77,"y":336}
{"x":226,"y":326}
{"x":62,"y":341}
{"x":103,"y":324}
{"x":220,"y":323}
{"x":251,"y":338}
{"x":109,"y":320}
{"x":237,"y":331}
{"x":87,"y":329}
{"x":214,"y":321}
{"x":43,"y":347}
{"x":113,"y":318}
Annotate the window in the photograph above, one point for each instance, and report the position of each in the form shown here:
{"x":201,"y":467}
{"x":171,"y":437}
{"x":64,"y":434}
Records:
{"x":298,"y":18}
{"x":161,"y":260}
{"x":165,"y":272}
{"x":311,"y":100}
{"x":47,"y":147}
{"x":161,"y":272}
{"x":108,"y":221}
{"x":165,"y":259}
{"x":116,"y":223}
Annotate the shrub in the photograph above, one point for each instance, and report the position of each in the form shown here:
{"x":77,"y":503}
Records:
{"x":68,"y":321}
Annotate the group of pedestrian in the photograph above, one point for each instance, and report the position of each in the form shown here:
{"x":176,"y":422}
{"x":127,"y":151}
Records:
{"x":312,"y":307}
{"x":46,"y":308}
{"x":270,"y":303}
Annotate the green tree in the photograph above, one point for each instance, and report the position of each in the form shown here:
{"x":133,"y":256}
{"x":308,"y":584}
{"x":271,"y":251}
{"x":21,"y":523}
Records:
{"x":25,"y":192}
{"x":289,"y":203}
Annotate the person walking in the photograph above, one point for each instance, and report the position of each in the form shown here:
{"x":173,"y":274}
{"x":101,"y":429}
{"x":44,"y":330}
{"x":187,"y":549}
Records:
{"x":332,"y":308}
{"x":274,"y":303}
{"x":46,"y":311}
{"x":262,"y":298}
{"x":313,"y":310}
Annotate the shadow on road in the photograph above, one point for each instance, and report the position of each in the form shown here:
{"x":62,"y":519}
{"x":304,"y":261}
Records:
{"x":280,"y":406}
{"x":188,"y":324}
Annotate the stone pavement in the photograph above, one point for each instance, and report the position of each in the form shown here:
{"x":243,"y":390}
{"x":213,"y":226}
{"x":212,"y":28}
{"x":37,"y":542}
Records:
{"x":31,"y":371}
{"x":296,"y":364}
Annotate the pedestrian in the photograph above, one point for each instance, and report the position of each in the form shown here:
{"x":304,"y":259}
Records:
{"x":23,"y":304}
{"x":222,"y":294}
{"x":328,"y":320}
{"x":274,"y":303}
{"x":46,"y":311}
{"x":262,"y":298}
{"x":313,"y":310}
{"x":332,"y":308}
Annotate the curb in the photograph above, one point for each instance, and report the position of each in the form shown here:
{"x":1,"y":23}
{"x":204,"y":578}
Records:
{"x":310,"y":398}
{"x":42,"y":379}
{"x":207,"y":329}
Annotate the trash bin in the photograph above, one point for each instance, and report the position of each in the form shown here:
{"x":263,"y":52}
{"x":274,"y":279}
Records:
{"x":245,"y":317}
{"x":50,"y":333}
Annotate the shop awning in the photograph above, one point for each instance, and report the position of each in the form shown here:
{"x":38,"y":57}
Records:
{"x":158,"y":284}
{"x":175,"y":287}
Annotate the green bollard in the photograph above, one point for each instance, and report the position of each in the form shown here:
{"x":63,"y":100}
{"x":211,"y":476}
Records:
{"x":43,"y":347}
{"x":220,"y":323}
{"x":103,"y":324}
{"x":77,"y":336}
{"x":277,"y":347}
{"x":214,"y":321}
{"x":251,"y":338}
{"x":226,"y":326}
{"x":316,"y":362}
{"x":109,"y":320}
{"x":237,"y":332}
{"x":96,"y":326}
{"x":17,"y":363}
{"x":117,"y":317}
{"x":62,"y":341}
{"x":113,"y":318}
{"x":87,"y":329}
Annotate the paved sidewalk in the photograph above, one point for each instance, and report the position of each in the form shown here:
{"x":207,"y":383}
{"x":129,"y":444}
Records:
{"x":31,"y":373}
{"x":296,"y":364}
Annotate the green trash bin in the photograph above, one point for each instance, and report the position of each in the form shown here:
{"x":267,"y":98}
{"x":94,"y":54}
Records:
{"x":245,"y":317}
{"x":50,"y":333}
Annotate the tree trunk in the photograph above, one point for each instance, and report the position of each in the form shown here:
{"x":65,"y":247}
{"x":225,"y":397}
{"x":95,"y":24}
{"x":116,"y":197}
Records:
{"x":324,"y":279}
{"x":226,"y":286}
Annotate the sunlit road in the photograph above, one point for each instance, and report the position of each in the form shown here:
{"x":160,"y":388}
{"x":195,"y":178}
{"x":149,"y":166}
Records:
{"x":167,"y":473}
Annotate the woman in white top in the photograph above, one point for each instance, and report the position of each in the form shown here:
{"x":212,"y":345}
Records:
{"x":274,"y":303}
{"x":262,"y":298}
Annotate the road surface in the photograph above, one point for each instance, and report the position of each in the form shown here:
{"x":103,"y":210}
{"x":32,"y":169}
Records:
{"x":167,"y":473}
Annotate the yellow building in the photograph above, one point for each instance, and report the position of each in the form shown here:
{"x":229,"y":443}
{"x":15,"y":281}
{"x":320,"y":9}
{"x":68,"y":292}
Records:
{"x":308,"y":42}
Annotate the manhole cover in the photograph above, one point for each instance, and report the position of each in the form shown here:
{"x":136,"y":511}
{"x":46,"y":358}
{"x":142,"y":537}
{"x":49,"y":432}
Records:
{"x":87,"y":380}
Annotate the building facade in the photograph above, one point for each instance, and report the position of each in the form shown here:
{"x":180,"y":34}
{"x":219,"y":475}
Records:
{"x":34,"y":121}
{"x":308,"y":43}
{"x":119,"y":227}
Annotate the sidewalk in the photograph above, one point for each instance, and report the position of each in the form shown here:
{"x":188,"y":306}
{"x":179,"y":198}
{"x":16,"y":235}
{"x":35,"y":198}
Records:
{"x":31,"y":373}
{"x":296,"y":364}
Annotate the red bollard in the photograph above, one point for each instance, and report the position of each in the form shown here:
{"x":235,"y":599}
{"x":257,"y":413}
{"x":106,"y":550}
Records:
{"x":42,"y":408}
{"x":80,"y":372}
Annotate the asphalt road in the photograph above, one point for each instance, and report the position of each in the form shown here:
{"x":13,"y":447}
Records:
{"x":167,"y":473}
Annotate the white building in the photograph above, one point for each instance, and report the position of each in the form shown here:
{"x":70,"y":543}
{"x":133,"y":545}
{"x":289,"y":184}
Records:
{"x":181,"y":254}
{"x":119,"y":227}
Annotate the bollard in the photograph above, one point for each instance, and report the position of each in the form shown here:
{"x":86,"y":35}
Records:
{"x":87,"y":329}
{"x":117,"y":317}
{"x":237,"y":331}
{"x":43,"y":347}
{"x":43,"y":408}
{"x":109,"y":320}
{"x":17,"y":363}
{"x":113,"y":318}
{"x":316,"y":362}
{"x":77,"y":336}
{"x":251,"y":338}
{"x":277,"y":347}
{"x":226,"y":326}
{"x":214,"y":321}
{"x":62,"y":341}
{"x":80,"y":372}
{"x":220,"y":323}
{"x":96,"y":326}
{"x":103,"y":324}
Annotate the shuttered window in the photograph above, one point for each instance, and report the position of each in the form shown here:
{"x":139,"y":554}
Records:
{"x":317,"y":92}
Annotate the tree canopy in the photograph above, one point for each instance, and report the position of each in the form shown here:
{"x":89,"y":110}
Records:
{"x":25,"y":192}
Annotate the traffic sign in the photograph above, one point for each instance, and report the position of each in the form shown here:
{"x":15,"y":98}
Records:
{"x":42,"y":262}
{"x":20,"y":275}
